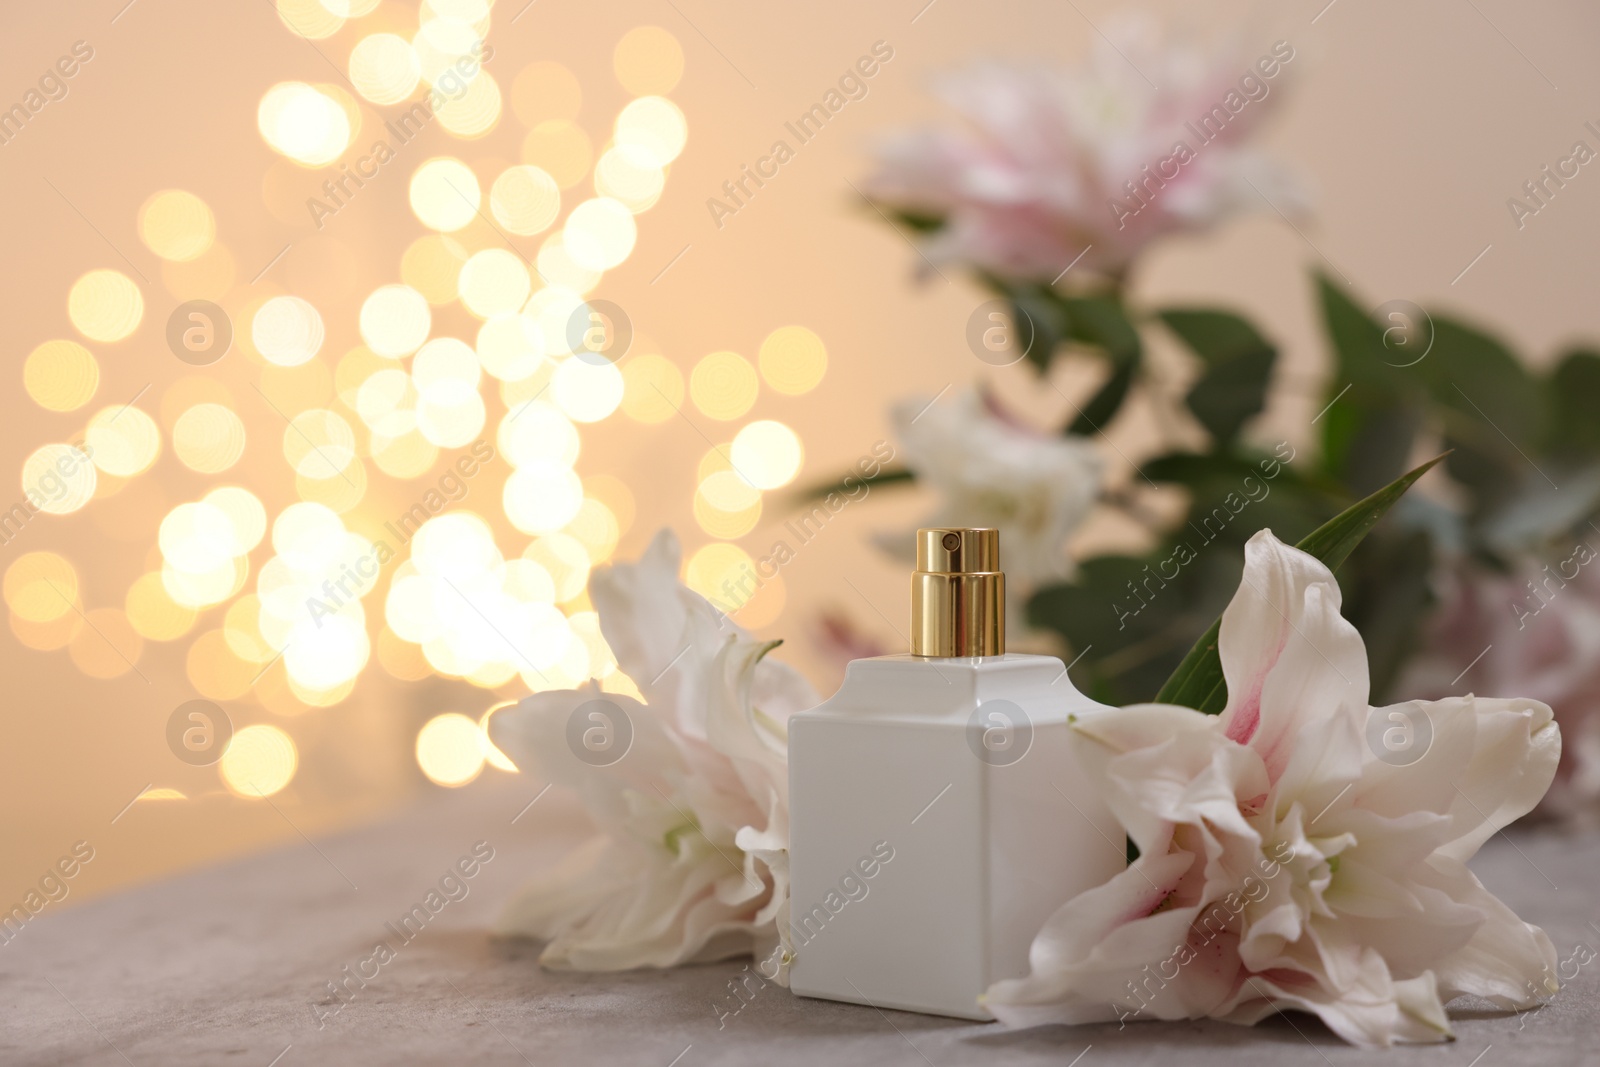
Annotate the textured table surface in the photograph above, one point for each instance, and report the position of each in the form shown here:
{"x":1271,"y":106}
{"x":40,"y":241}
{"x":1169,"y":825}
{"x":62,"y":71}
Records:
{"x":231,"y":966}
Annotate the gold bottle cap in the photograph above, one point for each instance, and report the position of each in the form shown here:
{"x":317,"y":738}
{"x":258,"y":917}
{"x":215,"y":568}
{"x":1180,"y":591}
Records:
{"x":958,"y":594}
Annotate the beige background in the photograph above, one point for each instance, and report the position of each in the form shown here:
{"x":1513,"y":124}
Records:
{"x":1412,"y":124}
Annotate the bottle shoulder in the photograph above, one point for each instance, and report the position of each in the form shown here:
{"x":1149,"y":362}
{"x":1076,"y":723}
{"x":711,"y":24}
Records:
{"x":901,"y":687}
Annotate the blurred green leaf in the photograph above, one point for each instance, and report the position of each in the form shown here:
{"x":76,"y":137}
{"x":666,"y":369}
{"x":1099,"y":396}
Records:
{"x":886,"y":476}
{"x":1360,"y":355}
{"x":1572,"y":397}
{"x":1198,"y":681}
{"x":1101,"y":321}
{"x":1490,"y":405}
{"x":1128,"y":623}
{"x":1102,"y":407}
{"x":1373,"y":406}
{"x":1038,"y":322}
{"x":1365,"y":448}
{"x":918,"y":222}
{"x":1233,"y":387}
{"x":1214,"y":336}
{"x":1230,"y":394}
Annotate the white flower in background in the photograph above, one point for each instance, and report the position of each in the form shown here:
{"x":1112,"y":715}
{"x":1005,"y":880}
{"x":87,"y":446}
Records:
{"x":691,"y":861}
{"x":1039,"y":174}
{"x":1538,"y":632}
{"x":1036,"y":488}
{"x":1287,"y":857}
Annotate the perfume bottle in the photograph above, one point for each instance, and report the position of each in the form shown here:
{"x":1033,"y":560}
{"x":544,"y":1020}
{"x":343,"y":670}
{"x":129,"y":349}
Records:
{"x":937,"y":817}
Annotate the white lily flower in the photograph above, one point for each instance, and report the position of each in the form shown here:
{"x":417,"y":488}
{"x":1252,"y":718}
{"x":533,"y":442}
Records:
{"x":1037,"y":488}
{"x":1295,"y":852}
{"x":692,"y":804}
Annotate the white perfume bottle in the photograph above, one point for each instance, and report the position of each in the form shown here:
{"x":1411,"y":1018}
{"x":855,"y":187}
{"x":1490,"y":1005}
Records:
{"x":937,"y":817}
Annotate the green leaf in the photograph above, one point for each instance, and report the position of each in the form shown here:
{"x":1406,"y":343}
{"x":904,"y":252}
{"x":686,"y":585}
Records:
{"x":1036,"y":323}
{"x":1102,"y":407}
{"x":1215,"y":336}
{"x":918,"y":222}
{"x":885,"y":476}
{"x":1230,"y":394}
{"x":1365,"y":447}
{"x":1489,"y":404}
{"x":1372,"y":406}
{"x":1198,"y":681}
{"x":1233,"y":388}
{"x":1100,"y":321}
{"x":1572,"y":397}
{"x":1130,"y":624}
{"x":1359,"y":352}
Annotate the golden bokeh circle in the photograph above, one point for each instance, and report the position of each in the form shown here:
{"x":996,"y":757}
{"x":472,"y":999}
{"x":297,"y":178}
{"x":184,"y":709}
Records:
{"x":444,"y":194}
{"x":451,"y":749}
{"x":245,"y":513}
{"x":599,"y":233}
{"x":587,"y":392}
{"x":793,"y":360}
{"x":177,"y":225}
{"x":494,"y":282}
{"x":384,"y":68}
{"x":475,"y":111}
{"x":123,"y":441}
{"x":725,"y":524}
{"x":525,"y":199}
{"x":395,"y":320}
{"x":41,"y":586}
{"x":722,"y":573}
{"x":656,"y":126}
{"x":767,"y":454}
{"x":259,"y":761}
{"x":105,"y":305}
{"x":153,"y":613}
{"x":628,"y":174}
{"x":58,"y":479}
{"x":303,"y":123}
{"x":61,"y":375}
{"x":208,"y":438}
{"x":723,"y":385}
{"x":287,"y":331}
{"x":431,"y":265}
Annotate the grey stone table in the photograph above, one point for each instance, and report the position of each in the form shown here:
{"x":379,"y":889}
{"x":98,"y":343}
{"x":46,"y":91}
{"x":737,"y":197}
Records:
{"x":231,"y":966}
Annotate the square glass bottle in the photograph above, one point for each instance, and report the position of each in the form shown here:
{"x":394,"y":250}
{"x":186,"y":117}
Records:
{"x":937,"y":818}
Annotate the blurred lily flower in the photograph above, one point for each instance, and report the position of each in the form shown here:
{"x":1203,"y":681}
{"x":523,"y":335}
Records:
{"x":1091,"y":164}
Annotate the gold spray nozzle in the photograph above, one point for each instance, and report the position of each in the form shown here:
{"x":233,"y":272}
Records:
{"x":958,"y":594}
